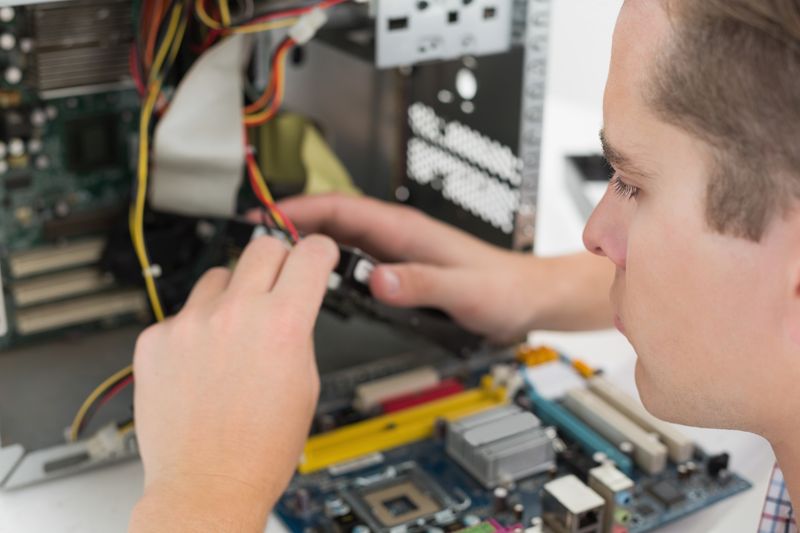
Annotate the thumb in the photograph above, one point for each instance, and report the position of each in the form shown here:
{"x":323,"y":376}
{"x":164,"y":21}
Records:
{"x":416,"y":285}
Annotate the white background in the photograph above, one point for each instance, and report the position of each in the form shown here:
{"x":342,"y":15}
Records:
{"x":101,"y":501}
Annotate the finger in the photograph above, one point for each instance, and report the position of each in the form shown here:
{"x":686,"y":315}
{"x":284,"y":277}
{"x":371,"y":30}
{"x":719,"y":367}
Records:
{"x":390,"y":232}
{"x":208,"y":287}
{"x":258,"y":266}
{"x":304,"y":278}
{"x":417,"y":285}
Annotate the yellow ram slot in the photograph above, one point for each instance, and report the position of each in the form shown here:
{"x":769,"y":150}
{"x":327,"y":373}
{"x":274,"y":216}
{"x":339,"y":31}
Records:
{"x":397,"y":429}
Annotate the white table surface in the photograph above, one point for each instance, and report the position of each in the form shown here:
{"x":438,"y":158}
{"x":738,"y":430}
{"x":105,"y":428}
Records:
{"x":101,"y":501}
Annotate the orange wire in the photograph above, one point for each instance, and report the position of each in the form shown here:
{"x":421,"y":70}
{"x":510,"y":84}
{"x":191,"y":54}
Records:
{"x":263,"y":99}
{"x":152,"y":32}
{"x":264,"y":116}
{"x":270,"y":90}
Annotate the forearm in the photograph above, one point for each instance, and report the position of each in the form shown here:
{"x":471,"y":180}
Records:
{"x":202,"y":505}
{"x":570,"y":293}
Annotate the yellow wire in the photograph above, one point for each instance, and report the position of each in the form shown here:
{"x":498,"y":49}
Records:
{"x":172,"y":41}
{"x":224,"y":12}
{"x":87,"y":403}
{"x":262,"y":187}
{"x":137,"y":217}
{"x":204,"y":17}
{"x":265,"y":26}
{"x":161,"y":55}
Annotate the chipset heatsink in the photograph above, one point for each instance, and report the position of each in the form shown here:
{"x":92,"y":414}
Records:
{"x":501,"y":445}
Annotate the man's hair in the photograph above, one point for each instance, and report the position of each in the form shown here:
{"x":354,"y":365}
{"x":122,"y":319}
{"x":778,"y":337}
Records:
{"x":731,"y":76}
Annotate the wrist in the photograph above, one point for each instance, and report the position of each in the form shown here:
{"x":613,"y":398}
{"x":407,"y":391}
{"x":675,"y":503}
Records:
{"x":569,"y":293}
{"x":201,"y":503}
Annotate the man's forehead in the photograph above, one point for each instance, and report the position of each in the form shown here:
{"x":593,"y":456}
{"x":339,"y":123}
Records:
{"x":642,"y":32}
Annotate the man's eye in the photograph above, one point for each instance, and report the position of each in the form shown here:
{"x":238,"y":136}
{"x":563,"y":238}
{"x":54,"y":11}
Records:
{"x":624,"y":190}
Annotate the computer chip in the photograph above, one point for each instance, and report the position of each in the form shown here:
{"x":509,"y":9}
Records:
{"x":666,"y":492}
{"x":92,"y":143}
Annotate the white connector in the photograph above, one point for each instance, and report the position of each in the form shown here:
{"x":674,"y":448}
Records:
{"x":307,"y":26}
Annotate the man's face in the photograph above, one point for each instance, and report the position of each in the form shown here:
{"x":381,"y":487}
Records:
{"x":706,"y":313}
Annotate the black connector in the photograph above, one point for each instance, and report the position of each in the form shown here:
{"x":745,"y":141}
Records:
{"x":716,"y":464}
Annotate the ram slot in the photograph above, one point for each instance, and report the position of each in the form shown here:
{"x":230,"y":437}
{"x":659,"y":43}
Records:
{"x":60,"y":257}
{"x":574,"y":429}
{"x":650,"y":454}
{"x":370,"y":395}
{"x":82,"y":310}
{"x":397,"y":429}
{"x":681,"y":447}
{"x":59,"y":286}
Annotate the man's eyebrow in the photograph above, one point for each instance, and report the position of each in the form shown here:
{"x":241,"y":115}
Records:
{"x":617,"y":159}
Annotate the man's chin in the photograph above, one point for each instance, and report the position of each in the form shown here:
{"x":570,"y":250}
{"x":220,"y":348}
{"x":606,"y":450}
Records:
{"x":653,"y":398}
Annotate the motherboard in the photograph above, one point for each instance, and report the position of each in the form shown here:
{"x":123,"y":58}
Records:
{"x":67,"y":149}
{"x":480,"y":450}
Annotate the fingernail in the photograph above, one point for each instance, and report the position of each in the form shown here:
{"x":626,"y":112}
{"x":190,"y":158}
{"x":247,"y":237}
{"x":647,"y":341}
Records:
{"x":391,"y":281}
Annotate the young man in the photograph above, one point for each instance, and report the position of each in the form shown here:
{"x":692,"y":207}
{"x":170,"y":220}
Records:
{"x":699,"y":229}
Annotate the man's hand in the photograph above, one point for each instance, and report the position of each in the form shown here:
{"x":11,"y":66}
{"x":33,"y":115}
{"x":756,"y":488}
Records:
{"x":225,"y":390}
{"x":490,"y":291}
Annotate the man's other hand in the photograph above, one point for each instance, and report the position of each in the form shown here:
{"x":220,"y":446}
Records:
{"x":226,"y":390}
{"x":488,"y":290}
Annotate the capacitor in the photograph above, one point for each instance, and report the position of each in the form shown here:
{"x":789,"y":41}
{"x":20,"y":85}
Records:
{"x":13,"y":75}
{"x":599,"y":458}
{"x":26,"y":45}
{"x":336,"y":507}
{"x":24,"y":215}
{"x":38,"y":118}
{"x":440,"y":429}
{"x":16,"y":148}
{"x":302,"y":501}
{"x":7,"y":41}
{"x":34,"y":146}
{"x":471,"y":520}
{"x":3,"y":167}
{"x":519,"y":511}
{"x":500,"y":499}
{"x":62,"y":210}
{"x":626,"y":448}
{"x":6,"y":14}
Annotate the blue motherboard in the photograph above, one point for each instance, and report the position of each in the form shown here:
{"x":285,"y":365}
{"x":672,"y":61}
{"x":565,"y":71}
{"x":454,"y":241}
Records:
{"x":422,"y":486}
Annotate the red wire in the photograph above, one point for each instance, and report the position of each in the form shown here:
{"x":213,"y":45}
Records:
{"x":113,"y":391}
{"x":251,"y":173}
{"x":133,"y":65}
{"x":116,"y":389}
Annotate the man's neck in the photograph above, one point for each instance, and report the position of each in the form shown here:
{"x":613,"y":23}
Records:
{"x":787,"y":451}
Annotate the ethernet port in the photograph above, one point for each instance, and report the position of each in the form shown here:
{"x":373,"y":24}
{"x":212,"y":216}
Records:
{"x":588,"y":519}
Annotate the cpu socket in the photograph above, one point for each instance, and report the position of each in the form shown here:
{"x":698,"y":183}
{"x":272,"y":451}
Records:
{"x":407,"y":498}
